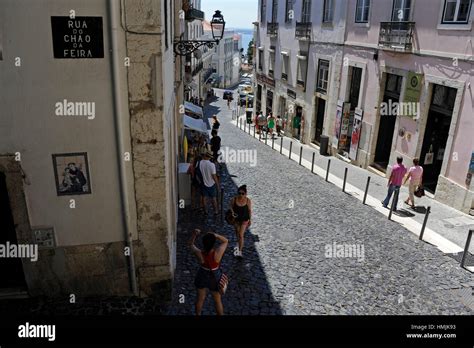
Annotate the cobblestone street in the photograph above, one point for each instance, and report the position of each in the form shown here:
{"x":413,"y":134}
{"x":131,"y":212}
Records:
{"x":285,"y":269}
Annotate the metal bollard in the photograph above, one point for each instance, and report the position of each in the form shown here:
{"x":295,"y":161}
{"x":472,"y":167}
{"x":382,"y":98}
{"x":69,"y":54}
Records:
{"x":466,"y":248}
{"x":327,"y":171}
{"x":366,"y":190}
{"x":312,"y":163}
{"x":273,"y":143}
{"x":260,"y":136}
{"x":428,"y":211}
{"x":395,"y":199}
{"x":281,"y":146}
{"x":345,"y":179}
{"x":301,"y":153}
{"x":291,"y":146}
{"x":254,"y":131}
{"x":250,"y":126}
{"x":240,"y":123}
{"x":266,"y":138}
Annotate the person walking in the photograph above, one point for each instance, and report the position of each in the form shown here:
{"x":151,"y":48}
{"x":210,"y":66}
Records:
{"x":210,"y":186}
{"x":415,"y":175}
{"x":279,"y":125}
{"x":241,"y":207}
{"x":209,"y":275}
{"x":271,"y":124}
{"x":196,"y":182}
{"x":395,"y":182}
{"x":215,"y":123}
{"x":215,"y":145}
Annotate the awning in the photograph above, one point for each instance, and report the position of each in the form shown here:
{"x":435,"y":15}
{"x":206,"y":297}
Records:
{"x":193,"y":108}
{"x":197,"y":125}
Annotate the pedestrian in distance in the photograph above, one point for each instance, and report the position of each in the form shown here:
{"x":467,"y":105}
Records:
{"x":215,"y":144}
{"x":395,"y":182}
{"x":279,"y":125}
{"x":209,"y":276}
{"x":270,"y":124}
{"x":241,"y":207}
{"x":215,"y":123}
{"x":210,"y":186}
{"x":415,"y":175}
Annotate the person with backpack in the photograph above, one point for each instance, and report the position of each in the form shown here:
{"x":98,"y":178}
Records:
{"x":215,"y":144}
{"x":209,"y":276}
{"x":241,"y":207}
{"x":195,"y":184}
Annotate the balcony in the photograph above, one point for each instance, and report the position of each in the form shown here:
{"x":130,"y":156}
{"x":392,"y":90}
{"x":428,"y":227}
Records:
{"x":303,"y":30}
{"x":397,"y":36}
{"x":284,"y":76}
{"x":192,"y":14}
{"x":270,"y":73}
{"x":272,"y":29}
{"x":300,"y":83}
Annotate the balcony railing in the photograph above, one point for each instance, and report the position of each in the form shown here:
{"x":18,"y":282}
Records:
{"x":272,"y":29}
{"x":270,"y":72}
{"x":303,"y":30}
{"x":300,"y":83}
{"x":192,"y":14}
{"x":284,"y":76}
{"x":397,"y":35}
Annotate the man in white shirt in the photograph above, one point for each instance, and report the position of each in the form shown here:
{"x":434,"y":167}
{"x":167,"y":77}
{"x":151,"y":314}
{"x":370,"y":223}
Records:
{"x":210,"y":185}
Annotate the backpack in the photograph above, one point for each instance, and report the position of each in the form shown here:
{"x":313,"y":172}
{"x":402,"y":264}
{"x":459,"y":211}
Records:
{"x":198,"y":174}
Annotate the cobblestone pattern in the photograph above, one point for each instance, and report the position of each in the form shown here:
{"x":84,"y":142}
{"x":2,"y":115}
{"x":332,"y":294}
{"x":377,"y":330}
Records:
{"x":285,"y":269}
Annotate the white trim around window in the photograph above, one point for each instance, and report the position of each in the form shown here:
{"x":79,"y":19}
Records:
{"x":455,"y":26}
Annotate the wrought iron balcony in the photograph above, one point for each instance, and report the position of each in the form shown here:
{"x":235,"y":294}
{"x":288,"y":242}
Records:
{"x":270,"y":72}
{"x":300,"y":83}
{"x":284,"y":76}
{"x":303,"y":30}
{"x":272,"y":29}
{"x":192,"y":14}
{"x":397,"y":35}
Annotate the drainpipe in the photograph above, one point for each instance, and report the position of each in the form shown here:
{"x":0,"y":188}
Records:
{"x":113,"y":9}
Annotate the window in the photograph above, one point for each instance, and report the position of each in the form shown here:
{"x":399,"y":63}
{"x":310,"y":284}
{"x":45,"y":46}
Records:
{"x":271,"y":65}
{"x":362,"y":11}
{"x":285,"y":67}
{"x":302,"y":66}
{"x":456,"y":11}
{"x":275,"y":11}
{"x":260,"y":60}
{"x":306,"y":11}
{"x":166,"y":2}
{"x":289,"y":9}
{"x":401,"y":10}
{"x":263,"y":10}
{"x":323,"y":76}
{"x":328,"y":11}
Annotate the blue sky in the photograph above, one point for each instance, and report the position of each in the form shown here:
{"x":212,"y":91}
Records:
{"x":237,"y":13}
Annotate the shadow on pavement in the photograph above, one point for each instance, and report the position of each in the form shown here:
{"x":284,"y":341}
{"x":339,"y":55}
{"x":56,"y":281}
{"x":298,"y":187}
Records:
{"x":248,"y":293}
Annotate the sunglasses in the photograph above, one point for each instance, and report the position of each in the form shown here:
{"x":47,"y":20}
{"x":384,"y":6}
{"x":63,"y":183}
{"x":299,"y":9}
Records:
{"x":242,"y":193}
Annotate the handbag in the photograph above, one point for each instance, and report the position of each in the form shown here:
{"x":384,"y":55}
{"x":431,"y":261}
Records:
{"x":419,"y":192}
{"x":230,"y":217}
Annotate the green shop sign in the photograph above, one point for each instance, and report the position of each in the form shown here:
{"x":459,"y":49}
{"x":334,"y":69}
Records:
{"x":411,"y":105}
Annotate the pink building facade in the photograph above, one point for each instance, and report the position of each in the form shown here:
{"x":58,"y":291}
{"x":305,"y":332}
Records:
{"x":407,"y":89}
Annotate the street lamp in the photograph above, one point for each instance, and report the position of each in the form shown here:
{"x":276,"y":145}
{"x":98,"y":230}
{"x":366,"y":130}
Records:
{"x":185,"y":47}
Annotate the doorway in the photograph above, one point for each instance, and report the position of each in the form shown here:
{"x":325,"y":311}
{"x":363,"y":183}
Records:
{"x":320,"y":110}
{"x":11,"y":269}
{"x":393,"y":87}
{"x":436,"y":134}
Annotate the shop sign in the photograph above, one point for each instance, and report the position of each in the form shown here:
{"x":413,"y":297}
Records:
{"x":356,"y":130}
{"x":346,"y":117}
{"x":413,"y":93}
{"x":337,"y":124}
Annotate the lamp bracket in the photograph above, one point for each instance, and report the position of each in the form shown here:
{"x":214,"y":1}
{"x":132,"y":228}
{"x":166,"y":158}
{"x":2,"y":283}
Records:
{"x":185,"y":47}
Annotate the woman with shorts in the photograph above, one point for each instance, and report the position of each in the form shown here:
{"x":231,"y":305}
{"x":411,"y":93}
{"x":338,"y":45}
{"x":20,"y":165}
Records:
{"x":210,"y":273}
{"x":241,"y":207}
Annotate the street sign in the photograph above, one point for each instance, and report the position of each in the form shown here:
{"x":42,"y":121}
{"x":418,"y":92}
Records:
{"x":78,"y":38}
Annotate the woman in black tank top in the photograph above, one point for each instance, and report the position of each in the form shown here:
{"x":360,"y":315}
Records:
{"x":241,"y":206}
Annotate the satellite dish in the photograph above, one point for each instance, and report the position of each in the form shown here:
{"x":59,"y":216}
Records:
{"x":197,"y":54}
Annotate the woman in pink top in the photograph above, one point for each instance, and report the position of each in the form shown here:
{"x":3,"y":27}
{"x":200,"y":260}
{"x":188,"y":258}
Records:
{"x":415,"y":174}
